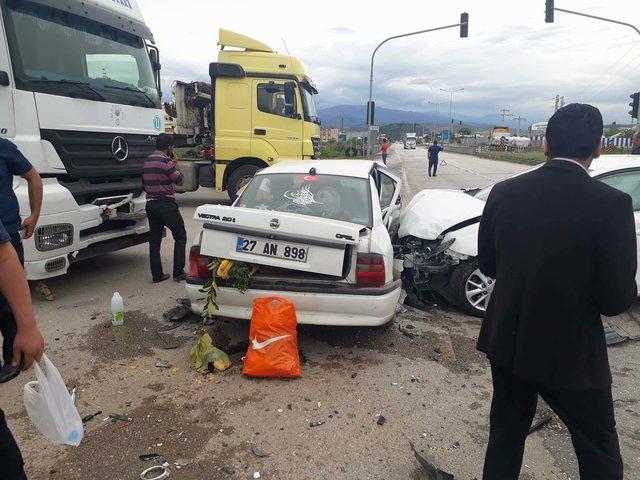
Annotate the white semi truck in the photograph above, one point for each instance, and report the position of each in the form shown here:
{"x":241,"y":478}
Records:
{"x":80,"y":97}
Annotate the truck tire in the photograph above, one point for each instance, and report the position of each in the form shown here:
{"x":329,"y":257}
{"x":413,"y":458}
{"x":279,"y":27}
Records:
{"x":239,"y":178}
{"x":463,"y":282}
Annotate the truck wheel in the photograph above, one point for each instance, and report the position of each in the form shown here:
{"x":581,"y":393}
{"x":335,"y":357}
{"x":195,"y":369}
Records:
{"x":471,"y":289}
{"x":239,"y":178}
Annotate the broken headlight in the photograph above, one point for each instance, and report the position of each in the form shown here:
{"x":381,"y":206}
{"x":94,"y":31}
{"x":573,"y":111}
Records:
{"x":52,"y":237}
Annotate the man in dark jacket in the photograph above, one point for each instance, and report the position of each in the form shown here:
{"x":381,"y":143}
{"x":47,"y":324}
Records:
{"x":562,"y":249}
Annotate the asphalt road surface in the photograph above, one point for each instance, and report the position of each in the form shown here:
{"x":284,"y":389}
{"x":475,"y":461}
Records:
{"x":431,"y":386}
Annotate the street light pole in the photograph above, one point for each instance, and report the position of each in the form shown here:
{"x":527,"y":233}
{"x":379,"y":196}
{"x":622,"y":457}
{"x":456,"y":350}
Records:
{"x":435,"y":120}
{"x":451,"y":92}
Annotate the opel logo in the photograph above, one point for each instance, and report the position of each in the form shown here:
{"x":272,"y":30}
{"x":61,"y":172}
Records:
{"x":119,"y":148}
{"x":275,"y":223}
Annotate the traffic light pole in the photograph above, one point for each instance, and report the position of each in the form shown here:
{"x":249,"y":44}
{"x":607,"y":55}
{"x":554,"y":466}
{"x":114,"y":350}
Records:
{"x":464,"y":25}
{"x":551,"y":8}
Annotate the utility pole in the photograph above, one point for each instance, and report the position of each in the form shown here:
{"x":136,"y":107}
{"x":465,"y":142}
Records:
{"x":341,"y":124}
{"x":451,"y":92}
{"x":562,"y":101}
{"x":519,"y":119}
{"x":504,"y":113}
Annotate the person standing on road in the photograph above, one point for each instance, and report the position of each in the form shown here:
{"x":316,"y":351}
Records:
{"x":13,"y":163}
{"x":636,"y":142}
{"x":562,"y":248}
{"x":28,"y":343}
{"x":383,"y":149}
{"x":433,"y":152}
{"x":159,"y":175}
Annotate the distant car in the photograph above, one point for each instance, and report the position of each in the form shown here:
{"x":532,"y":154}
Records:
{"x":440,"y":245}
{"x":320,"y":232}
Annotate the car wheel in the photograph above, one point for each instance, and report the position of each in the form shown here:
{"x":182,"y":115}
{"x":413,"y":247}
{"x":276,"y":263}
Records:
{"x":239,"y":178}
{"x":471,"y":288}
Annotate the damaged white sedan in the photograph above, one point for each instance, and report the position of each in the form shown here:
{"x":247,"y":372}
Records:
{"x":320,"y":232}
{"x":438,"y":236}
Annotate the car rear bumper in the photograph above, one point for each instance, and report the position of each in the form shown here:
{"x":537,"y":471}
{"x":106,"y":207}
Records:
{"x":314,"y":305}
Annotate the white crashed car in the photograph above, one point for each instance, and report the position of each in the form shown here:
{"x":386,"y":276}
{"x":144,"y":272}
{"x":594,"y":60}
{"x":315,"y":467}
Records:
{"x":438,"y":236}
{"x":320,"y":232}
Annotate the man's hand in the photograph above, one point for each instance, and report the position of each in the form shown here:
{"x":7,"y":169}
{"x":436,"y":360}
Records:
{"x":29,"y":224}
{"x":28,"y":342}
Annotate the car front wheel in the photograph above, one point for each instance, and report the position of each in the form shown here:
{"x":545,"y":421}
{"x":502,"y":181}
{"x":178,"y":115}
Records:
{"x":471,"y":288}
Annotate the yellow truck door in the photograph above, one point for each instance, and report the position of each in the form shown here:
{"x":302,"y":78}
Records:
{"x":277,"y":120}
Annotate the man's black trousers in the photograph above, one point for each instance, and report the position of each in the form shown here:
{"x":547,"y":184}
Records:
{"x":165,"y":213}
{"x":433,"y":164}
{"x":7,"y":320}
{"x":11,"y":463}
{"x":588,"y":414}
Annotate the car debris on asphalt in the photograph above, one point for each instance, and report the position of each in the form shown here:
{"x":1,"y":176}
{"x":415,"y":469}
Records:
{"x":258,"y":452}
{"x":430,"y":470}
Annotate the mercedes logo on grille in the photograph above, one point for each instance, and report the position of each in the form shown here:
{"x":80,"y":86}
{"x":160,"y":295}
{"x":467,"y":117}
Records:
{"x":275,"y":223}
{"x":119,"y":148}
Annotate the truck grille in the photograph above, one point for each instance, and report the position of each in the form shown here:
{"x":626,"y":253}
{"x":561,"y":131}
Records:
{"x":90,"y":154}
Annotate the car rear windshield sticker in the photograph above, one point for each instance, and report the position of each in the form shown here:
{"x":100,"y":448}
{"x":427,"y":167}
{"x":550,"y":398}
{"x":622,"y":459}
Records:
{"x":310,"y":178}
{"x":303,"y":197}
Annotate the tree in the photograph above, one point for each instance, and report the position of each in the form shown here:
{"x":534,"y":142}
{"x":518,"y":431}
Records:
{"x":464,"y":131}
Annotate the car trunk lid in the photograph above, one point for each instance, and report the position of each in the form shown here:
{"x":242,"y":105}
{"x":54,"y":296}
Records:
{"x":277,"y":239}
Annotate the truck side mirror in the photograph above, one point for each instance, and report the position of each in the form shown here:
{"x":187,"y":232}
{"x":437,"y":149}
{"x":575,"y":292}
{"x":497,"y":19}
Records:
{"x":4,"y":79}
{"x":290,"y":93}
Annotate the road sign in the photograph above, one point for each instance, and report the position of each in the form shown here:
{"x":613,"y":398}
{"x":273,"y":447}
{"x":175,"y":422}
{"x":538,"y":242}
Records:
{"x":374,"y":128}
{"x":445,"y":136}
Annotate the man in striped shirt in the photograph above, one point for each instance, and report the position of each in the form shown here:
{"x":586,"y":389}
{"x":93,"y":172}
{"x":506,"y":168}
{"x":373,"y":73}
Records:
{"x":159,"y":175}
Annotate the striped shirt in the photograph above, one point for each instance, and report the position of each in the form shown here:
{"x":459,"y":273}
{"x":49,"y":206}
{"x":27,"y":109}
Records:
{"x":159,"y":175}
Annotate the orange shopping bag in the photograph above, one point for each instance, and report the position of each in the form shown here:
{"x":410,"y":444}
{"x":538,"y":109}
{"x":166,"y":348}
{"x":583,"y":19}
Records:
{"x":273,"y":340}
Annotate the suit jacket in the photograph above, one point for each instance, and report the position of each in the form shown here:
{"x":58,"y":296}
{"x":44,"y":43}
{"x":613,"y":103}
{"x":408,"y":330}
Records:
{"x":562,"y":248}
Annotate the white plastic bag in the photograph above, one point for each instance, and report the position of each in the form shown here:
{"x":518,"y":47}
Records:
{"x":50,"y":406}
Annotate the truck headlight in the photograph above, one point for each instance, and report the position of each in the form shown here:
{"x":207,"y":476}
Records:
{"x":52,"y":237}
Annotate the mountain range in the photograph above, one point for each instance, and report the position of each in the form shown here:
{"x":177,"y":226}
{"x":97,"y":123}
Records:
{"x":354,"y":117}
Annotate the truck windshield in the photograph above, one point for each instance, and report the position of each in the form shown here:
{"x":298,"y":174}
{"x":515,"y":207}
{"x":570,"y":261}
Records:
{"x":311,"y":114}
{"x":59,"y":53}
{"x":326,"y":196}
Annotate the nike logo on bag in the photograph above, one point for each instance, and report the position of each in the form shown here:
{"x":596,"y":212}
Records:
{"x":259,"y":345}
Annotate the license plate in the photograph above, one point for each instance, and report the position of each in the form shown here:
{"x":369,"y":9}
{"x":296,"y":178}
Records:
{"x":274,"y":249}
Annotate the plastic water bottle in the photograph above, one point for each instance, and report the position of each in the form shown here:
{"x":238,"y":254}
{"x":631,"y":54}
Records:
{"x":117,"y":310}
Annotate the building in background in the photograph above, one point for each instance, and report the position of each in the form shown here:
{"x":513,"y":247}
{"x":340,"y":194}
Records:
{"x":328,"y":134}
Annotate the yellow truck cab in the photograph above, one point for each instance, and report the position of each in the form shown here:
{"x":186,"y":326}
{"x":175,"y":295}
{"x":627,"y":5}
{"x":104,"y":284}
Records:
{"x":263,"y":110}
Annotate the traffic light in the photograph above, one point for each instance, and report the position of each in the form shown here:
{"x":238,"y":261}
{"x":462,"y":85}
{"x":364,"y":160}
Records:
{"x":549,"y":12}
{"x":635,"y":104}
{"x":464,"y":25}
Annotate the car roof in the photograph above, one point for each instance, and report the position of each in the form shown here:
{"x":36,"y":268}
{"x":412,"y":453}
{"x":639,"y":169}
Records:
{"x":610,"y":163}
{"x":348,"y":168}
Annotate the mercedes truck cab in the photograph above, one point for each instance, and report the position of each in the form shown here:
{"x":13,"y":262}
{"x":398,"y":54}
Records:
{"x":80,"y":97}
{"x":263,"y":111}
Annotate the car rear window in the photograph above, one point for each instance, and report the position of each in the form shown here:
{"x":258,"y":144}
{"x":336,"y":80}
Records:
{"x":325,"y":196}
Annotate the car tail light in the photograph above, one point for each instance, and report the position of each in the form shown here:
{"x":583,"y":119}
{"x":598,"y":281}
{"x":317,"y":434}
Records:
{"x":370,"y":270}
{"x":199,"y":264}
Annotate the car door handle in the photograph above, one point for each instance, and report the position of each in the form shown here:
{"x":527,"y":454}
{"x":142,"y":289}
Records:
{"x":259,"y":131}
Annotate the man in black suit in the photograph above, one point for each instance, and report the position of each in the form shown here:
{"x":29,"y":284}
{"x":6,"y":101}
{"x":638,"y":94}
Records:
{"x":562,"y":248}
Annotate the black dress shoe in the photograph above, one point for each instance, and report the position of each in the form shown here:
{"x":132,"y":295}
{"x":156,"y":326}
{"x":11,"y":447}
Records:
{"x":161,"y":279}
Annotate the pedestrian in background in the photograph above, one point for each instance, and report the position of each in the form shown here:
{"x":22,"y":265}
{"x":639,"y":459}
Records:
{"x":28,"y":343}
{"x":159,"y":175}
{"x":384,"y":149}
{"x":13,"y":163}
{"x":636,"y":142}
{"x":433,"y":152}
{"x":562,"y":249}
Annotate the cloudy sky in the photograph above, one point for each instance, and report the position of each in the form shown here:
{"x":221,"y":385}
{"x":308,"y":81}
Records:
{"x":512,"y":59}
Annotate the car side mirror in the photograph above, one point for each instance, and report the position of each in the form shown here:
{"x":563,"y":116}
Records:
{"x":4,"y":79}
{"x":399,"y":200}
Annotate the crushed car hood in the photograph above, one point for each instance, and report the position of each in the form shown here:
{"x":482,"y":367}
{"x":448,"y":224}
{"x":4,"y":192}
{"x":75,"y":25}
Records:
{"x":432,"y":212}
